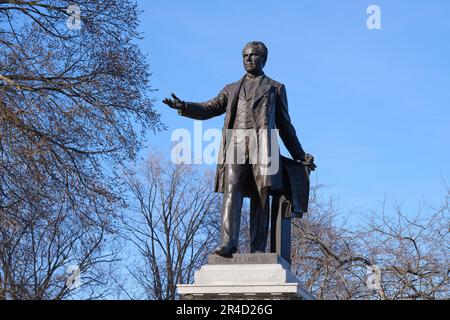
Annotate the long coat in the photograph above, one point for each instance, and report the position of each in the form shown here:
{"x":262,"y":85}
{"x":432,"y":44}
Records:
{"x":269,"y":110}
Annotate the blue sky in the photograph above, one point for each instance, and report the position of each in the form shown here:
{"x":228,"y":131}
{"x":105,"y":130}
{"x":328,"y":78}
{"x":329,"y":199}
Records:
{"x":372,"y":106}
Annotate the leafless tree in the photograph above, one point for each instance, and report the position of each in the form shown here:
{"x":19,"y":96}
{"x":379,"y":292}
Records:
{"x":73,"y":103}
{"x":412,"y":252}
{"x":38,"y":248}
{"x":172,"y":226}
{"x":333,"y":260}
{"x":331,"y":257}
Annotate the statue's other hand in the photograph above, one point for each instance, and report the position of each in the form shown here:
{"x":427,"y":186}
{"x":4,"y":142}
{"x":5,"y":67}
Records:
{"x":309,"y":157}
{"x":309,"y":162}
{"x":174,"y":103}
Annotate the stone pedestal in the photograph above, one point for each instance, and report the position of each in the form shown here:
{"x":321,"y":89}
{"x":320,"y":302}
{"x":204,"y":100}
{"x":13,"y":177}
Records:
{"x":245,"y":276}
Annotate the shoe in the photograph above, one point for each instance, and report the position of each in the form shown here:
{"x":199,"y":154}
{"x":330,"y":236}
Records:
{"x":226,"y":252}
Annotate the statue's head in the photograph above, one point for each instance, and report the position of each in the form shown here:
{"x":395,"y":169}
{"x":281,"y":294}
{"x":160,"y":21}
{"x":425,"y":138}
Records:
{"x":254,"y":57}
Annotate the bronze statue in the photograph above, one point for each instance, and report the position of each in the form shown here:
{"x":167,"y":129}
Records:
{"x":258,"y":103}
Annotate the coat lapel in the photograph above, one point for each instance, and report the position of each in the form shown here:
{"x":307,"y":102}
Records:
{"x":263,"y":87}
{"x":260,"y":91}
{"x":234,"y":96}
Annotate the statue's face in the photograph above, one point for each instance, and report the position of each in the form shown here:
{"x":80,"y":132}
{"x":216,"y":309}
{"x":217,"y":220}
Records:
{"x":253,"y":60}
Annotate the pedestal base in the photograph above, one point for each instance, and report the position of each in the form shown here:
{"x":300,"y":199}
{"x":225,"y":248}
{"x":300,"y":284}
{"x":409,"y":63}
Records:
{"x":245,"y":276}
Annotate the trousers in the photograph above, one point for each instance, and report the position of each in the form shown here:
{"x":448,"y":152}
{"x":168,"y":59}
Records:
{"x":237,"y":177}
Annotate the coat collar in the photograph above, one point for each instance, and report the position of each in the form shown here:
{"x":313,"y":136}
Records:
{"x":234,"y":94}
{"x":261,"y":89}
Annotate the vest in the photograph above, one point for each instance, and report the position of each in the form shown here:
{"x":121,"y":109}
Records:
{"x":244,"y":117}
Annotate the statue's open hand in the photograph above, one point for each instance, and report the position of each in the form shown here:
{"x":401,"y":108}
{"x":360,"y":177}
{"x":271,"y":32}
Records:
{"x":176,"y":103}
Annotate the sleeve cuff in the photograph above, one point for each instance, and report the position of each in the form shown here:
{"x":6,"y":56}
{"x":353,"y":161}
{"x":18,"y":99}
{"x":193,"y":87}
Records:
{"x":183,"y":108}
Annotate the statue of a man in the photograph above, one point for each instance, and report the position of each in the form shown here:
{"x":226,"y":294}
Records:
{"x":255,"y":102}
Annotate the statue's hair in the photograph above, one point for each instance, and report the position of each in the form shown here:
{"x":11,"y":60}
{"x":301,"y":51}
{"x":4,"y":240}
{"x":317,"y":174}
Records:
{"x":261,"y":46}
